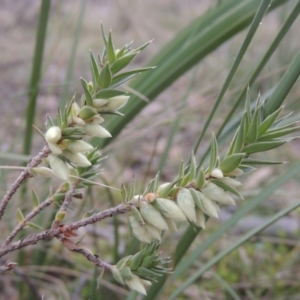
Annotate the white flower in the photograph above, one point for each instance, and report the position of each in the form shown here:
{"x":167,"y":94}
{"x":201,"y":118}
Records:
{"x":78,"y":159}
{"x":95,"y":130}
{"x":215,"y":193}
{"x":53,"y":134}
{"x":77,"y":145}
{"x":59,"y":167}
{"x":135,"y":283}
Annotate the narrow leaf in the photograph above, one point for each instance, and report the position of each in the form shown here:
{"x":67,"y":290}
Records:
{"x":213,"y":154}
{"x":105,"y":77}
{"x":108,"y":93}
{"x":95,"y":69}
{"x":88,"y":96}
{"x":231,"y":162}
{"x":20,"y":216}
{"x":35,"y":198}
{"x":268,"y":122}
{"x":122,"y":62}
{"x":263,"y":146}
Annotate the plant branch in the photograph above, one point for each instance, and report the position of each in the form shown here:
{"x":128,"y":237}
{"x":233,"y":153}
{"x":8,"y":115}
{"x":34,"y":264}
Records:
{"x":60,"y":232}
{"x":23,"y":175}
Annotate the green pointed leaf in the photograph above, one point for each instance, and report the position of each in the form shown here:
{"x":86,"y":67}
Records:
{"x":247,"y":169}
{"x":226,"y":187}
{"x":278,"y":133}
{"x":122,"y":62}
{"x":231,"y":162}
{"x":95,"y":69}
{"x":253,"y":128}
{"x":139,"y":49}
{"x":108,"y":93}
{"x":200,"y":179}
{"x":132,"y":72}
{"x":88,"y":96}
{"x":268,"y":122}
{"x":118,"y":82}
{"x":263,"y":146}
{"x":35,"y":198}
{"x":20,"y":216}
{"x":213,"y":154}
{"x":239,"y":137}
{"x":193,"y":167}
{"x":105,"y":77}
{"x":110,"y":49}
{"x":254,"y":161}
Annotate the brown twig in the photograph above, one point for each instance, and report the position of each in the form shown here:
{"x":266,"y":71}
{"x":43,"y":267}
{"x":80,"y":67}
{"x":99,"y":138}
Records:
{"x":93,"y":258}
{"x":23,"y":175}
{"x":62,"y":229}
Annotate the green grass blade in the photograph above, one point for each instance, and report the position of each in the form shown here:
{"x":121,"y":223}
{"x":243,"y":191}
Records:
{"x":65,"y":91}
{"x":199,"y":39}
{"x":36,"y":73}
{"x":281,"y":34}
{"x":250,"y":234}
{"x":284,"y":86}
{"x":253,"y":28}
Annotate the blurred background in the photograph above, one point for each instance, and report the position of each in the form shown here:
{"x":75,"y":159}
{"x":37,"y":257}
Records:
{"x":73,"y":29}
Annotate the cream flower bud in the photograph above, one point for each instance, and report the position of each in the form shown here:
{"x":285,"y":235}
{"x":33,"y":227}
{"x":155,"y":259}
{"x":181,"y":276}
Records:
{"x":53,"y":134}
{"x":139,"y":231}
{"x":59,"y":167}
{"x":236,"y":172}
{"x":172,"y":225}
{"x":98,"y":103}
{"x":135,"y":283}
{"x":95,"y":130}
{"x":117,"y":275}
{"x":217,"y":194}
{"x":186,"y":204}
{"x":153,"y":232}
{"x":41,"y":171}
{"x":114,"y":103}
{"x":209,"y":207}
{"x":55,"y":149}
{"x":200,"y":218}
{"x":78,"y":159}
{"x":171,"y":209}
{"x":217,"y":173}
{"x":152,"y":216}
{"x":77,"y":146}
{"x":231,"y":182}
{"x":96,"y":120}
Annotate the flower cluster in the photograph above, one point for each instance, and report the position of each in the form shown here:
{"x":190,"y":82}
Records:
{"x":101,"y":96}
{"x":137,"y":270}
{"x":159,"y":211}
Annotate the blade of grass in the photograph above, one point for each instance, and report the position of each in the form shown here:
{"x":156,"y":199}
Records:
{"x":246,"y":237}
{"x":252,"y":30}
{"x":214,"y":28}
{"x":284,"y":86}
{"x":65,"y":91}
{"x":175,"y":126}
{"x":36,"y":73}
{"x":281,"y":34}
